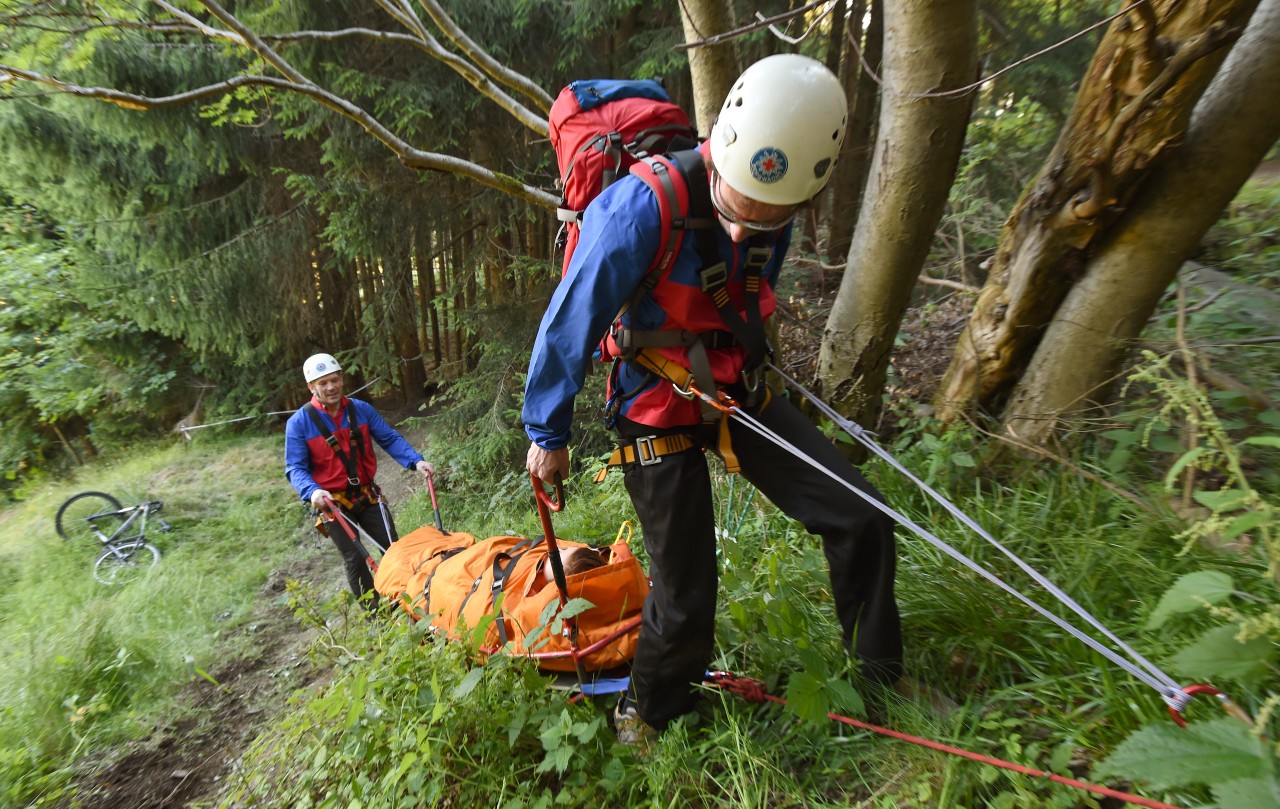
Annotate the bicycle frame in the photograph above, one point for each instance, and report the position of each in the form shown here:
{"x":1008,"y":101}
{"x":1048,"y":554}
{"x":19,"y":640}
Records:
{"x":118,"y":539}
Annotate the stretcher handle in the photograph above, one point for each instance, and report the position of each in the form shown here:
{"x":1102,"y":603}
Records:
{"x":332,"y":515}
{"x":546,"y":505}
{"x":435,"y":506}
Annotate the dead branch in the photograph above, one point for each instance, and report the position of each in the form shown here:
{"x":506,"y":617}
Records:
{"x":737,"y":32}
{"x":949,"y":284}
{"x":499,"y":72}
{"x":409,"y":156}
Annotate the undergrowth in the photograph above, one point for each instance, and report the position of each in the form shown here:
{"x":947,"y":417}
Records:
{"x":85,"y":666}
{"x":414,"y":719}
{"x":407,"y":720}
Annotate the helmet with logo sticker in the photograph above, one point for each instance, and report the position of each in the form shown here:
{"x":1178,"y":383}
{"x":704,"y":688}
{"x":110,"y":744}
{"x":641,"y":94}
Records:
{"x":318,"y":365}
{"x":780,"y":129}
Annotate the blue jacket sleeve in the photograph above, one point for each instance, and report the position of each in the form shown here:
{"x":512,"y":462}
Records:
{"x":391,"y":441}
{"x":297,"y":457}
{"x":620,"y":232}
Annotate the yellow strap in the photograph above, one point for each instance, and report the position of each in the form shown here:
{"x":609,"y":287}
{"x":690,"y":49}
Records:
{"x":669,"y":370}
{"x":652,"y":450}
{"x":725,"y":447}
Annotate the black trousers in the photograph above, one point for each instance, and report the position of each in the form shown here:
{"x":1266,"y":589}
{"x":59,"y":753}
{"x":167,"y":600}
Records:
{"x":674,"y":504}
{"x":359,"y":577}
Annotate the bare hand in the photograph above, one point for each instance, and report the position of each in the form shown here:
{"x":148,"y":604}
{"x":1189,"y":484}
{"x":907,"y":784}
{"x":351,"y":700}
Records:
{"x":321,"y":500}
{"x":547,"y":464}
{"x":425,"y":468}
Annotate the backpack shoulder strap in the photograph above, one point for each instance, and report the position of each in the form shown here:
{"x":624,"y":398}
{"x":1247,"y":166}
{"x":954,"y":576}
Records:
{"x":674,"y":180}
{"x":357,"y":438}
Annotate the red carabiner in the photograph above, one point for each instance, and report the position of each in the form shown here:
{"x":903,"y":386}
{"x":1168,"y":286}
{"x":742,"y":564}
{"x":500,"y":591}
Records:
{"x":1233,"y":710}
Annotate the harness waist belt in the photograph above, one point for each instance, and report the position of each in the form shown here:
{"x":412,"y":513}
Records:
{"x":646,"y":451}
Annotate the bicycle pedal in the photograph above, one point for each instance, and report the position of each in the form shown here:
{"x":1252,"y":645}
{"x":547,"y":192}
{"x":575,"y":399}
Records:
{"x":164,"y":526}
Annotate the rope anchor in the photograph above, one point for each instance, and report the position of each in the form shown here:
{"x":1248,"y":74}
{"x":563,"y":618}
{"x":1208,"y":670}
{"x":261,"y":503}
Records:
{"x":1177,"y":702}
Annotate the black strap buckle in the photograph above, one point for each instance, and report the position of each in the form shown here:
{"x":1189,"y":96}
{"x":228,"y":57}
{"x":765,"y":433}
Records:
{"x":758,"y":257}
{"x":714,"y":276}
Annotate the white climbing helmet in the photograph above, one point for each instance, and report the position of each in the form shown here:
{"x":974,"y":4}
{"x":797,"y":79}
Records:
{"x":318,"y":365}
{"x":780,"y":129}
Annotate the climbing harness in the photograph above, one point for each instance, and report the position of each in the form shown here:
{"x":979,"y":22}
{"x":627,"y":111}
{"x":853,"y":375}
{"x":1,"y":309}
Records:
{"x":1175,"y":696}
{"x":350,"y":461}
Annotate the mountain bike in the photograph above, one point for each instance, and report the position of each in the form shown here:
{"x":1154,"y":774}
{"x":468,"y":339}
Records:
{"x":121,"y":530}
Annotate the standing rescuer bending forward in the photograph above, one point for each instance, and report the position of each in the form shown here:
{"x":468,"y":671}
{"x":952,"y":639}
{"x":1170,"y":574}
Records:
{"x":329,"y":460}
{"x":771,"y":149}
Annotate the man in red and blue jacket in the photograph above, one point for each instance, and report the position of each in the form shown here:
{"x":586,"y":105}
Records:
{"x":772,"y":148}
{"x":330,"y":468}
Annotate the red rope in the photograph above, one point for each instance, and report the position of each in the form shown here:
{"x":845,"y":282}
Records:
{"x":754,"y":691}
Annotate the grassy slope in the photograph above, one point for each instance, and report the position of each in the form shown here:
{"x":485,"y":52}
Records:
{"x":85,"y":668}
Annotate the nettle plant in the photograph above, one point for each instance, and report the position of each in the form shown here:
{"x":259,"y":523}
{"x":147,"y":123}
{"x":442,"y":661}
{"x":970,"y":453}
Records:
{"x":1235,"y":608}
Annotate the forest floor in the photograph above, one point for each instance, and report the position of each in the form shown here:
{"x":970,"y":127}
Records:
{"x":192,"y":761}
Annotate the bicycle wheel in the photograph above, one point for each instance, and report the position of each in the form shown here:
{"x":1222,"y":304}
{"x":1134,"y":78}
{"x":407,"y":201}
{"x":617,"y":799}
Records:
{"x":79,"y":515}
{"x":121,"y":564}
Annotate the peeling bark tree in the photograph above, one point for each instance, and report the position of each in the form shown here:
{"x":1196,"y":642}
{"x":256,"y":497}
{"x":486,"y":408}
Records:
{"x":1134,"y":105}
{"x":929,"y":47}
{"x":1094,"y":327}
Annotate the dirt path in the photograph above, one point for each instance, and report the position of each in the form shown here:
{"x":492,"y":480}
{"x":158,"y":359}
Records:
{"x":187,"y":762}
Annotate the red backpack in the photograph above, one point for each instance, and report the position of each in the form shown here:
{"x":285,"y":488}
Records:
{"x":599,"y":129}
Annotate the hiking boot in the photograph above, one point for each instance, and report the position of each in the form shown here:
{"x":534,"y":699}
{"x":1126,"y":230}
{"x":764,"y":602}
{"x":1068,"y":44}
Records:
{"x":631,"y":729}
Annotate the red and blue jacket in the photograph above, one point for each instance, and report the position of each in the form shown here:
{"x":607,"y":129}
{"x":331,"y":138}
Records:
{"x":620,"y":236}
{"x":309,"y":462}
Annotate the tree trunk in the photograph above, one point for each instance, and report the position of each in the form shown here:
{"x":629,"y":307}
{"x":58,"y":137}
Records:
{"x":430,"y":322}
{"x":855,"y":152}
{"x":1103,"y":314}
{"x":1134,"y":104}
{"x":712,"y":67}
{"x":408,"y":342}
{"x":929,"y":47}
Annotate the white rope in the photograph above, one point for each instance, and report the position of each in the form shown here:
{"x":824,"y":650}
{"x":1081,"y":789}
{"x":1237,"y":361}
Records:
{"x":260,"y":415}
{"x":1145,"y":671}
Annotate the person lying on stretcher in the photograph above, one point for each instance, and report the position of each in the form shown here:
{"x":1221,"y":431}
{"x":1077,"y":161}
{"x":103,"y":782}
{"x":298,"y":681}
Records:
{"x":453,"y":580}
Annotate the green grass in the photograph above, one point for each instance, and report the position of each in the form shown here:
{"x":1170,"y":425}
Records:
{"x":496,"y":736}
{"x":84,"y":666}
{"x":407,"y":721}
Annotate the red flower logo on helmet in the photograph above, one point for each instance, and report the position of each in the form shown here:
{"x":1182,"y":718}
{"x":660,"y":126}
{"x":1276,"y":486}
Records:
{"x":769,"y":165}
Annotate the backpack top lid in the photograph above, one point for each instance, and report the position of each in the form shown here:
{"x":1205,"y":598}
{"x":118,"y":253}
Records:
{"x":599,"y":128}
{"x":591,"y":93}
{"x":587,"y":112}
